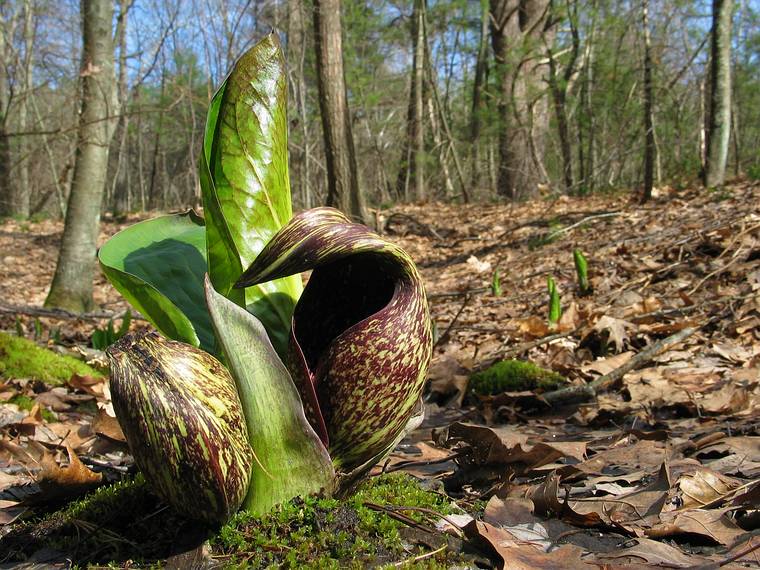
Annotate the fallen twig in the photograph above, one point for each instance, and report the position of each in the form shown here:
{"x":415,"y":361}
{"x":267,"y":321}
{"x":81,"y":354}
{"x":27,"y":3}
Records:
{"x":445,"y":336}
{"x":601,"y":384}
{"x":555,"y":233}
{"x":63,"y":314}
{"x":683,"y":310}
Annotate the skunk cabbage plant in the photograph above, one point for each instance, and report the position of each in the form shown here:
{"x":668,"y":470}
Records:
{"x":266,"y":390}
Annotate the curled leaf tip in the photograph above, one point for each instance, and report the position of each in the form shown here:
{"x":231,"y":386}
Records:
{"x":361,"y":338}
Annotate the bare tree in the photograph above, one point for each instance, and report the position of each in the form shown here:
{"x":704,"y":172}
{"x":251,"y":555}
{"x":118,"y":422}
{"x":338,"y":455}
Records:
{"x":518,"y":31}
{"x":22,"y":191}
{"x":296,"y":59}
{"x":8,"y":205}
{"x":413,"y":151}
{"x":344,"y":191}
{"x":720,"y":94}
{"x":72,"y":284}
{"x":559,"y":84}
{"x":649,"y":148}
{"x":478,"y":94}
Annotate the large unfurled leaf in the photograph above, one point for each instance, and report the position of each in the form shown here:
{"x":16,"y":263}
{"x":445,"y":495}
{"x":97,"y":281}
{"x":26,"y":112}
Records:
{"x":361,"y":339}
{"x":182,"y":418}
{"x":158,"y":266}
{"x":290,"y":459}
{"x":245,"y":184}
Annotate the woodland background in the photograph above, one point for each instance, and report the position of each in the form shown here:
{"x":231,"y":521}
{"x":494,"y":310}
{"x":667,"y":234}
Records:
{"x":432,"y":87}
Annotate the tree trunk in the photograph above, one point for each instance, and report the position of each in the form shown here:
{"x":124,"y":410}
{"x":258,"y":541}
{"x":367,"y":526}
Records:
{"x":412,"y":167}
{"x":121,"y":189}
{"x":296,"y":57}
{"x":585,"y":119}
{"x":478,"y":101}
{"x":559,"y":84}
{"x":649,"y":149}
{"x":72,"y":284}
{"x":155,"y":199}
{"x":344,"y":191}
{"x":6,"y":201}
{"x":516,"y":28}
{"x":720,"y":94}
{"x":22,"y":191}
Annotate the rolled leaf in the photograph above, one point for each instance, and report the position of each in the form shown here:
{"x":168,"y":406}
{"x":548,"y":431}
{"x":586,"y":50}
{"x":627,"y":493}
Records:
{"x":158,"y":266}
{"x":245,"y":183}
{"x":183,"y":421}
{"x":290,"y":458}
{"x":361,"y":340}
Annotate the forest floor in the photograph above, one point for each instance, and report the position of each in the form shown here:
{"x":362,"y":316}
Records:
{"x":648,"y":457}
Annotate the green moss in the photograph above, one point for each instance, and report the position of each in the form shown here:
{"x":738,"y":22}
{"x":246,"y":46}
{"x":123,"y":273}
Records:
{"x":126,"y":522}
{"x":327,"y":533}
{"x":514,"y":376}
{"x":22,"y":358}
{"x":27,"y":403}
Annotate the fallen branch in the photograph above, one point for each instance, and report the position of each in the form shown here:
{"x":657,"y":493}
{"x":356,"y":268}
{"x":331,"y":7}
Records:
{"x":588,"y":391}
{"x":654,"y":315}
{"x":445,"y":336}
{"x":63,"y":314}
{"x":560,"y":231}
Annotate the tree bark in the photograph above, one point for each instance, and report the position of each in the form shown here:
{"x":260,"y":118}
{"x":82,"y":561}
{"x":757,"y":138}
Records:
{"x":72,"y":284}
{"x":478,"y":100}
{"x":720,"y":94}
{"x":296,"y":58}
{"x":21,"y":187}
{"x":559,"y":85}
{"x":121,"y":189}
{"x":343,"y":191}
{"x":649,"y":148}
{"x":7,"y":190}
{"x":412,"y":169}
{"x":517,"y":26}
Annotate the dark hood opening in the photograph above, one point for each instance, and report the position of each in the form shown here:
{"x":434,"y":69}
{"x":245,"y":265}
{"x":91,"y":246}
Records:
{"x":339,"y":295}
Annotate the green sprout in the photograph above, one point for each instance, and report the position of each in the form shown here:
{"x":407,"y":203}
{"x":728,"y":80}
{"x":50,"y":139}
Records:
{"x":496,"y":283}
{"x":555,"y":309}
{"x":581,"y":271}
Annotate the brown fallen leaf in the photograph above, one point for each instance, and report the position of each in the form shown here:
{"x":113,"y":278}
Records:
{"x":613,"y":331}
{"x":516,"y":555}
{"x":545,"y":497}
{"x":651,"y":552}
{"x":701,"y":487}
{"x":90,"y":384}
{"x":61,"y":400}
{"x":505,"y":447}
{"x":64,"y":483}
{"x":714,"y":524}
{"x":107,"y":426}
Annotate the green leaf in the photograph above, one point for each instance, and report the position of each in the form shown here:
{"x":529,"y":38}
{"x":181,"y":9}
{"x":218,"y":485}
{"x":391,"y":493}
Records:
{"x":158,"y":266}
{"x":290,"y":458}
{"x":245,"y":183}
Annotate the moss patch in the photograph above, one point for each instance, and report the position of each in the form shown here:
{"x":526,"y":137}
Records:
{"x":514,"y":376}
{"x":22,"y":358}
{"x":126,"y":521}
